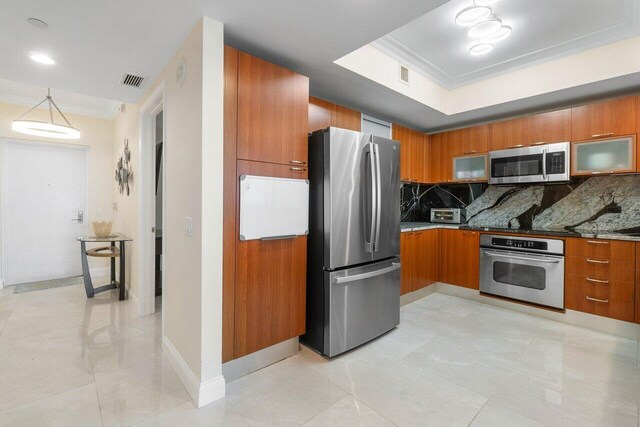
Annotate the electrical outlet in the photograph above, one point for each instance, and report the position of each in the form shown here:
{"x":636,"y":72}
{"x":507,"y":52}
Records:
{"x":99,"y":213}
{"x":115,"y":206}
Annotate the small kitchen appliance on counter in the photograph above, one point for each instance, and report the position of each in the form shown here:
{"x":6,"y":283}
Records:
{"x":448,"y":215}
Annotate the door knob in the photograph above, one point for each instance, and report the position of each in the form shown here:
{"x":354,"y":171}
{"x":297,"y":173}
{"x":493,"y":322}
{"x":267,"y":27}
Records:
{"x":80,"y":218}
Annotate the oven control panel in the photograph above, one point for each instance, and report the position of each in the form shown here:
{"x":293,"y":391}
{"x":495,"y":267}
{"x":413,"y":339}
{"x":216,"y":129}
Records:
{"x":519,"y":243}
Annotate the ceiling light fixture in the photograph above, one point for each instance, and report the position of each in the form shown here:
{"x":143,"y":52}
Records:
{"x":484,"y":2}
{"x":484,"y":28}
{"x":499,"y":35}
{"x":472,"y":15}
{"x":480,"y":49}
{"x":37,"y":23}
{"x":49,"y":129}
{"x":41,"y":58}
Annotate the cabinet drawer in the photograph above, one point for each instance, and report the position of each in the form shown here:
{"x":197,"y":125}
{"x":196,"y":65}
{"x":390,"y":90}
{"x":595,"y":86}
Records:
{"x":614,"y":300}
{"x":604,"y":270}
{"x":601,"y":249}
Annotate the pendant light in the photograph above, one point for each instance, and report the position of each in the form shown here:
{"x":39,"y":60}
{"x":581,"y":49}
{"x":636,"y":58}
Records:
{"x":49,"y":129}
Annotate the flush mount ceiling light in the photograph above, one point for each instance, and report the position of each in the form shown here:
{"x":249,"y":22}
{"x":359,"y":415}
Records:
{"x":499,"y":35}
{"x":485,"y":28}
{"x":472,"y":15}
{"x":480,"y":49}
{"x":49,"y":129}
{"x":37,"y":23}
{"x":41,"y":58}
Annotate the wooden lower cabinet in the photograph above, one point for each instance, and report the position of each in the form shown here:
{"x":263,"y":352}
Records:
{"x":407,"y":243}
{"x":420,"y":258}
{"x":460,"y":258}
{"x":426,"y":258}
{"x":270,"y":288}
{"x":600,"y":277}
{"x":637,"y":282}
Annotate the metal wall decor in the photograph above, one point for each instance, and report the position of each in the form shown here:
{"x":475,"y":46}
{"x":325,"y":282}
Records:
{"x":123,"y":169}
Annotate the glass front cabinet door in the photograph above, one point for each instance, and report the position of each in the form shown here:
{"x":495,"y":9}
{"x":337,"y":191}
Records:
{"x":470,"y":168}
{"x":608,"y":156}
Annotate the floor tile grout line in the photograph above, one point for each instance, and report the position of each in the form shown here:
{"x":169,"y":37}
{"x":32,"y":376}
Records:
{"x":478,"y":413}
{"x":31,"y":402}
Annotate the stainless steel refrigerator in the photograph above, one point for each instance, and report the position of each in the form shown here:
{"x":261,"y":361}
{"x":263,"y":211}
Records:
{"x":353,"y":265}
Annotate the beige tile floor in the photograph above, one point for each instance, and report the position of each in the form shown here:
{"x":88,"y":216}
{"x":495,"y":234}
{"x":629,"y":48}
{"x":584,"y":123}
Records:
{"x":69,"y":361}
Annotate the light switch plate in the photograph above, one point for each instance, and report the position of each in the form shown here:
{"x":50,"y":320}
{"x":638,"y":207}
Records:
{"x":188,"y":226}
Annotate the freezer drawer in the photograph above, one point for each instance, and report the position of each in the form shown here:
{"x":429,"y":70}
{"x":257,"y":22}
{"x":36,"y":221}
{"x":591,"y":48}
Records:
{"x":364,"y":304}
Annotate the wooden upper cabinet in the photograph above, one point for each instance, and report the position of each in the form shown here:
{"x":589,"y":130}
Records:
{"x":537,"y":129}
{"x":414,"y":152}
{"x":323,"y":114}
{"x":273,"y":108}
{"x":346,"y":118}
{"x":472,"y":140}
{"x":616,"y":117}
{"x":320,"y":112}
{"x":440,"y":158}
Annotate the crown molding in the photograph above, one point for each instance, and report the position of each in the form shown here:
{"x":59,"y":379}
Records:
{"x":619,"y":31}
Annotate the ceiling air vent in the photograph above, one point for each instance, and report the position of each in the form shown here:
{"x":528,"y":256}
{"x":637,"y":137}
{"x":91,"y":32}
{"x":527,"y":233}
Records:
{"x":131,"y":80}
{"x":404,"y":74}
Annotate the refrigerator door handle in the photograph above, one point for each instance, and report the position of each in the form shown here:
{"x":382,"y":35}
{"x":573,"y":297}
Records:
{"x":370,"y":244}
{"x":376,"y":150}
{"x":346,"y":279}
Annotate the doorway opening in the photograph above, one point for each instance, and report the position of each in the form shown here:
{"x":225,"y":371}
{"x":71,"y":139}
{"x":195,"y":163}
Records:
{"x":44,"y":191}
{"x":152,"y":181}
{"x":158,"y":137}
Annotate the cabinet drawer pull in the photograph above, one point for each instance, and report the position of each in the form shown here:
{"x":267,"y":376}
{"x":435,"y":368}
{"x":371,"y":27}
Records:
{"x":601,"y":135}
{"x":598,"y":242}
{"x":517,"y":146}
{"x":604,"y":301}
{"x":604,"y":282}
{"x":601,"y":172}
{"x":298,"y":162}
{"x":298,"y":169}
{"x":470,"y":152}
{"x":539,"y":143}
{"x":595,"y":261}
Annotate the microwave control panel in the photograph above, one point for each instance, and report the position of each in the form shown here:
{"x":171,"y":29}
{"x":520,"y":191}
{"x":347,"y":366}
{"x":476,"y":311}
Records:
{"x":556,"y":162}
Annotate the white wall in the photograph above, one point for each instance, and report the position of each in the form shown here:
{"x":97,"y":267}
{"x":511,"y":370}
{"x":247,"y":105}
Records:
{"x":97,"y":134}
{"x":193,"y":177}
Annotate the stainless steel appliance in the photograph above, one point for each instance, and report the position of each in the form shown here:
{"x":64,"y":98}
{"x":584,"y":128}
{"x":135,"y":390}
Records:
{"x":538,"y":163}
{"x":523,"y":268}
{"x":448,"y":215}
{"x":353,"y":264}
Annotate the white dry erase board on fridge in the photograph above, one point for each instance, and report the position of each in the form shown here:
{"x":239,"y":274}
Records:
{"x":273,"y":208}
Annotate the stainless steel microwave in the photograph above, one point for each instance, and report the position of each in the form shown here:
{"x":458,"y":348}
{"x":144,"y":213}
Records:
{"x":539,"y":163}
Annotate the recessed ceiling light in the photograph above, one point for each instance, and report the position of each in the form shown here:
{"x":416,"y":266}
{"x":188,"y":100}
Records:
{"x":484,"y":28}
{"x":41,"y":58}
{"x":472,"y":15}
{"x":480,"y":49}
{"x":500,"y":34}
{"x":37,"y":23}
{"x":484,"y":2}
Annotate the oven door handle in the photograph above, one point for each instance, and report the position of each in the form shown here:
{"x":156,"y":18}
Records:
{"x":541,"y":260}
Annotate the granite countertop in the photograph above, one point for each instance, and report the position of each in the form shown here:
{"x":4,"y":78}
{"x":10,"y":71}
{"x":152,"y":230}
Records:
{"x":416,"y":226}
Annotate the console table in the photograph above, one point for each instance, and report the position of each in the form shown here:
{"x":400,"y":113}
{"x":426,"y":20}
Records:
{"x":110,"y":251}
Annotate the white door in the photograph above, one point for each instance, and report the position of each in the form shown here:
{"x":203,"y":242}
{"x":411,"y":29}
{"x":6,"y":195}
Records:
{"x":46,"y":189}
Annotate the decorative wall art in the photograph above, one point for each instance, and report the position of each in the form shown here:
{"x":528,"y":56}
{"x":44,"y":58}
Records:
{"x":124,"y":174}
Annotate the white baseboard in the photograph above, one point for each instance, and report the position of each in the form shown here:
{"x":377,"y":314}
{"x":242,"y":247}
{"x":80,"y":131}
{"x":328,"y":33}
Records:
{"x":202,"y":393}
